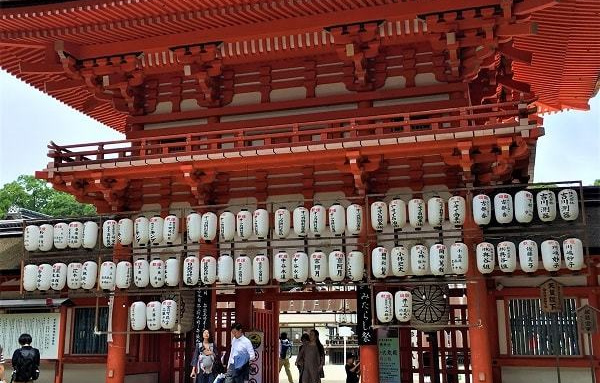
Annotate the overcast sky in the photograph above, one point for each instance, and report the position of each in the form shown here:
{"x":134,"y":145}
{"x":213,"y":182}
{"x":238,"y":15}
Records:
{"x":29,"y":119}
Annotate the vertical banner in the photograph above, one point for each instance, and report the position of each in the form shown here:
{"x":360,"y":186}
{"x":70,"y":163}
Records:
{"x":389,"y":356}
{"x":364,"y":329}
{"x":256,"y":366}
{"x":202,"y":314}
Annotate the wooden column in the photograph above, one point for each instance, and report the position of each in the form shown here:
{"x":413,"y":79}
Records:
{"x":116,"y":359}
{"x":594,"y":301}
{"x":243,"y":308}
{"x":60,"y":365}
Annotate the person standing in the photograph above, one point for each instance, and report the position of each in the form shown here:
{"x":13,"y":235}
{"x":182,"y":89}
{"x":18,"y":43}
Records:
{"x":352,"y":369}
{"x":206,"y":360}
{"x":26,"y":361}
{"x":312,"y":359}
{"x":240,"y":356}
{"x":2,"y":380}
{"x":303,"y":341}
{"x":285,"y":351}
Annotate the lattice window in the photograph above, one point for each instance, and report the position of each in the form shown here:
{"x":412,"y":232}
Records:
{"x":534,"y":332}
{"x":84,"y":339}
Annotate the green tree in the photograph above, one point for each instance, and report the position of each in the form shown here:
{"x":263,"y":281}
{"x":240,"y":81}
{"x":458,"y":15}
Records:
{"x":30,"y":193}
{"x":597,"y":183}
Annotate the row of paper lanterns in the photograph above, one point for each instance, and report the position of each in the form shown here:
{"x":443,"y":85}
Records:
{"x":398,"y":305}
{"x":153,"y":315}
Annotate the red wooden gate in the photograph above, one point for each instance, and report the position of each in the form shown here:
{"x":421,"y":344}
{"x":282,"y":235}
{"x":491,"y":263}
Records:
{"x":265,"y":320}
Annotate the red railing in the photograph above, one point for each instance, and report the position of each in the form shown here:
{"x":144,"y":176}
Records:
{"x":326,"y":132}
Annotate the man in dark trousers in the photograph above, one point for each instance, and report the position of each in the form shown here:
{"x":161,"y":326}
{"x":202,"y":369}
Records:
{"x":285,"y":351}
{"x":26,"y":361}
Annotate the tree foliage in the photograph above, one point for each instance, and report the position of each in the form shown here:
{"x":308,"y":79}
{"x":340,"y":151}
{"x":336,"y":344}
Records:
{"x":597,"y":183}
{"x":33,"y":194}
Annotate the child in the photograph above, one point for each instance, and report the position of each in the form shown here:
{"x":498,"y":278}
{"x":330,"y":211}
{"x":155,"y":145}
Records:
{"x":352,"y":370}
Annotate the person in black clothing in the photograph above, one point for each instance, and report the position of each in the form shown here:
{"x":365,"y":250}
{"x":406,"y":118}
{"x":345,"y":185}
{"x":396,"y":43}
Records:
{"x":26,"y":361}
{"x":352,"y":369}
{"x":304,"y":340}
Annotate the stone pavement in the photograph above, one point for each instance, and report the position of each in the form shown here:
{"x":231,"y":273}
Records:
{"x":334,"y":373}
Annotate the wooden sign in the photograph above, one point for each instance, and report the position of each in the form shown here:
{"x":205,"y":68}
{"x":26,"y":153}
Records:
{"x":364,"y":311}
{"x":203,"y":315}
{"x":43,"y":328}
{"x":551,"y":296}
{"x":587,"y":319}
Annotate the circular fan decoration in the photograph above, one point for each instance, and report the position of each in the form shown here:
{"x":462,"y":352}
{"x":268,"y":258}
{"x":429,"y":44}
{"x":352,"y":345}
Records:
{"x":430,"y":307}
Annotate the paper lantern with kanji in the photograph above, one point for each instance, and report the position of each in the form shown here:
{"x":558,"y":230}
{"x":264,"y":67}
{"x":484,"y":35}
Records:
{"x":141,"y":273}
{"x":191,"y":270}
{"x":507,"y":256}
{"x":379,"y":217}
{"x":486,"y":257}
{"x":317,"y":219}
{"x":503,"y":208}
{"x":260,"y":269}
{"x":208,"y":270}
{"x":380,"y":262}
{"x":141,"y":231}
{"x":123,"y":275}
{"x":243,"y":223}
{"x":125,"y":231}
{"x":109,"y":232}
{"x":243,"y":270}
{"x":282,"y":267}
{"x":31,"y":237}
{"x":301,"y":218}
{"x":209,"y":226}
{"x":438,"y":259}
{"x":171,"y":229}
{"x":156,"y":230}
{"x":108,"y":271}
{"x":153,"y":315}
{"x":168,"y":314}
{"x":157,"y":273}
{"x":528,"y":256}
{"x":568,"y":204}
{"x":46,"y":238}
{"x":59,"y":276}
{"x":399,"y":261}
{"x":551,"y":255}
{"x":436,"y":211}
{"x":137,"y":316}
{"x":355,"y":262}
{"x":354,"y":219}
{"x":337,"y":265}
{"x":573,"y":252}
{"x":44,"y":278}
{"x":403,"y":306}
{"x":416,"y":213}
{"x":459,"y":258}
{"x":30,"y":277}
{"x":546,"y":205}
{"x":337,"y":219}
{"x":225,"y":269}
{"x":89,"y":275}
{"x":74,"y":275}
{"x":75,"y":235}
{"x":482,"y":209}
{"x":300,"y":267}
{"x":318,"y":266}
{"x":524,"y":206}
{"x":227,"y":228}
{"x":397,"y":212}
{"x":172,"y":271}
{"x":419,"y":260}
{"x":61,"y":235}
{"x":193,"y":226}
{"x":90,"y":234}
{"x":457,"y":207}
{"x":260,"y":223}
{"x":384,"y":306}
{"x":283,"y":222}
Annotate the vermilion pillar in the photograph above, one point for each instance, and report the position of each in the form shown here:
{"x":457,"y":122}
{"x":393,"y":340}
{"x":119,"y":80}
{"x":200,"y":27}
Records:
{"x":594,"y":301}
{"x":243,"y":308}
{"x":116,"y":358}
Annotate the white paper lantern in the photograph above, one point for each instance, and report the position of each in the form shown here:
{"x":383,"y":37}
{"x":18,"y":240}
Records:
{"x":123,"y":275}
{"x":528,"y":256}
{"x":524,"y":206}
{"x":379,"y":216}
{"x":337,"y":266}
{"x":301,"y":219}
{"x":125,"y":231}
{"x":283,"y":222}
{"x":459,"y":258}
{"x":141,"y":228}
{"x":225,"y":269}
{"x":568,"y":204}
{"x":156,"y":229}
{"x":61,"y":235}
{"x":172,"y":272}
{"x":243,"y":270}
{"x":89,"y":275}
{"x":503,"y":208}
{"x":171,"y":229}
{"x":403,"y":305}
{"x":282,"y":267}
{"x":337,"y":219}
{"x":260,"y":222}
{"x":300,"y":267}
{"x":457,"y":207}
{"x":208,"y":270}
{"x":153,"y":315}
{"x":243,"y":221}
{"x":482,"y":209}
{"x":168,"y":314}
{"x":108,"y":271}
{"x":90,"y":234}
{"x":46,"y":238}
{"x":354,"y":218}
{"x":226,"y":226}
{"x":59,"y":276}
{"x":546,"y":205}
{"x":355,"y":263}
{"x":75,"y":235}
{"x":30,"y":277}
{"x":109,"y":233}
{"x":193,"y":225}
{"x":260,"y":269}
{"x":317,"y":219}
{"x":384,"y":306}
{"x":507,"y":256}
{"x":436,"y":211}
{"x":141,"y":273}
{"x":399,"y":260}
{"x":486,"y":258}
{"x":573,"y":251}
{"x":31,"y":237}
{"x":397,"y":213}
{"x":438,"y":259}
{"x":416,"y":213}
{"x":419,"y":260}
{"x":137,"y":316}
{"x":74,"y":275}
{"x":318,"y":266}
{"x":191,"y":270}
{"x":209,"y":226}
{"x":157,"y":273}
{"x":380,"y":262}
{"x":551,"y":255}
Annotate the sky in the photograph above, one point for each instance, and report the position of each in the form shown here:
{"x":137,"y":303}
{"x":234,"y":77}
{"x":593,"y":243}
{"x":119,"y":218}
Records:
{"x":29,"y":120}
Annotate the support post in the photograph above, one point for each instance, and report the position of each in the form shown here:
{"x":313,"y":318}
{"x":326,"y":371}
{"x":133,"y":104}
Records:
{"x":116,"y":359}
{"x":60,"y":365}
{"x":369,"y":364}
{"x":594,"y":301}
{"x":243,"y":308}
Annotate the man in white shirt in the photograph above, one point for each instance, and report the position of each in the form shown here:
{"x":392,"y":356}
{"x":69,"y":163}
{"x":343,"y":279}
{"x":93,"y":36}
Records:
{"x":242,"y":353}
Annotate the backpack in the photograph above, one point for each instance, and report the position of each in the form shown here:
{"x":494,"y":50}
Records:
{"x":25,"y":368}
{"x":286,"y":347}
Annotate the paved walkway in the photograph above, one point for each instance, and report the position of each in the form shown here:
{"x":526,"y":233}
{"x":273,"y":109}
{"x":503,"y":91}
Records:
{"x":334,"y":373}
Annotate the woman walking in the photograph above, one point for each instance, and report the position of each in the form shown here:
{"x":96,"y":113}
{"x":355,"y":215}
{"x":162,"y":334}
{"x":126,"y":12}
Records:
{"x":205,"y":361}
{"x":311,"y":358}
